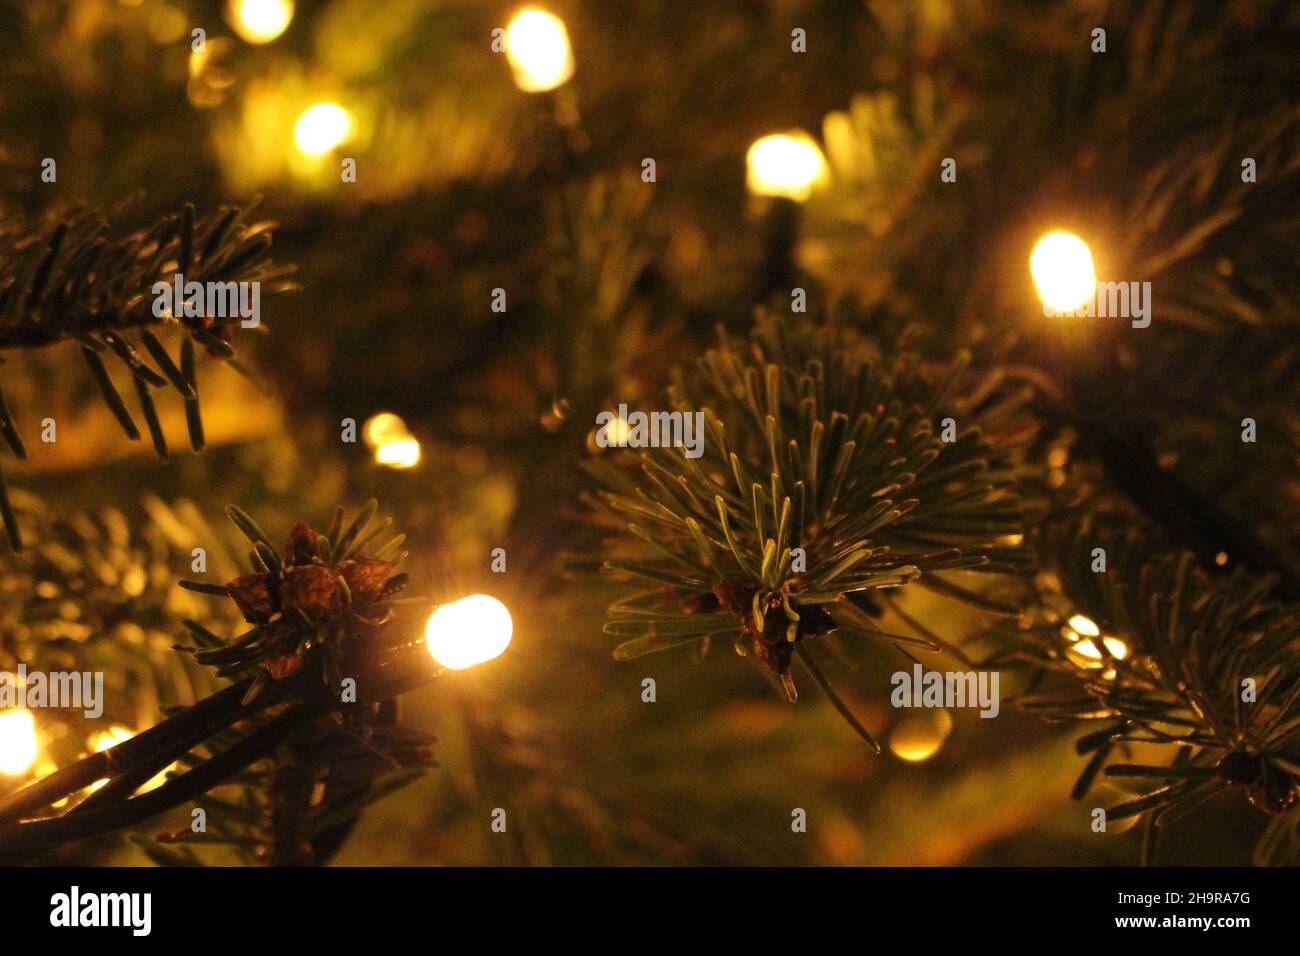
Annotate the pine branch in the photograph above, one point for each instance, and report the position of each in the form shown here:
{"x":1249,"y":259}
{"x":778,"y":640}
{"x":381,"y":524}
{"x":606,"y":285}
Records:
{"x":1206,"y":666}
{"x":816,"y":442}
{"x":323,"y":614}
{"x":74,"y":280}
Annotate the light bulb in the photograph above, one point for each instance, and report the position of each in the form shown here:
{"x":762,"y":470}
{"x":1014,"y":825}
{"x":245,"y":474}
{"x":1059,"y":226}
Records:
{"x":1061,"y":265}
{"x":784,"y":164}
{"x":537,"y":46}
{"x":384,"y":427}
{"x":320,"y":128}
{"x":920,"y":737}
{"x":468,"y":632}
{"x":260,"y":21}
{"x":399,"y":453}
{"x":18,"y":747}
{"x":1084,"y":626}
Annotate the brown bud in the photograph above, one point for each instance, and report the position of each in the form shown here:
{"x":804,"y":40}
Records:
{"x":253,"y":596}
{"x":313,"y":589}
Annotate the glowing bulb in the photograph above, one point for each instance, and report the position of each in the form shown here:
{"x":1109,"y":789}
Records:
{"x":1084,"y":626}
{"x":468,"y":632}
{"x":919,"y":738}
{"x":399,"y":453}
{"x":18,"y":745}
{"x":260,"y":21}
{"x":1061,"y":265}
{"x":785,"y":165}
{"x":320,"y":128}
{"x":537,"y":46}
{"x":384,"y":427}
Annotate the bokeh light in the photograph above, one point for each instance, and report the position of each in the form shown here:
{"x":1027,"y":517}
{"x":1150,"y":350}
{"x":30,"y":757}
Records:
{"x":260,"y":21}
{"x":1061,"y":265}
{"x":320,"y":128}
{"x":18,"y":745}
{"x":785,"y":164}
{"x":537,"y":46}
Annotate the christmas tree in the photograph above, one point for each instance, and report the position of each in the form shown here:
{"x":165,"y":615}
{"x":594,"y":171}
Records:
{"x":415,"y":411}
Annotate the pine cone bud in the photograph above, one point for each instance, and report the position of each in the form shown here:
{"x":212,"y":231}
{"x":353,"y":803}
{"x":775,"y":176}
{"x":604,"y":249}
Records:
{"x":313,"y":589}
{"x":253,"y":596}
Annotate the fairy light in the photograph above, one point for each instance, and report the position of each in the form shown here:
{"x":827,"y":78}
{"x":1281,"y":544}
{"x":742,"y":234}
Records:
{"x":260,"y":21}
{"x":1084,"y":626}
{"x":399,"y":453}
{"x":394,"y":445}
{"x":470,"y":631}
{"x":537,"y":46}
{"x":320,"y":128}
{"x":785,"y":164}
{"x":18,"y":745}
{"x":917,"y":739}
{"x":1061,"y":265}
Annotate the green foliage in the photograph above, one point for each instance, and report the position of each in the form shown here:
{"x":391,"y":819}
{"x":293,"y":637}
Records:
{"x":819,"y":441}
{"x":74,"y":279}
{"x":1199,"y":668}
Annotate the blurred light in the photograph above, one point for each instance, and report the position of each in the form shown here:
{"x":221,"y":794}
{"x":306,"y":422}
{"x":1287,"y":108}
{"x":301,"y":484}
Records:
{"x":537,"y":46}
{"x":394,"y":446}
{"x":260,"y":21}
{"x":320,"y":128}
{"x":785,"y":165}
{"x":18,"y":745}
{"x":401,"y":453}
{"x":384,"y":427}
{"x":468,"y":632}
{"x":167,"y":24}
{"x":1061,"y":265}
{"x":1084,"y":626}
{"x":920,"y":737}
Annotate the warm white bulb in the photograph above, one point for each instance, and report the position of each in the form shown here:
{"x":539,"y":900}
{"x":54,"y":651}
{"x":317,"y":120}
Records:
{"x":260,"y":21}
{"x":18,"y":745}
{"x":1061,"y":265}
{"x":537,"y":46}
{"x":399,"y":453}
{"x":784,"y":165}
{"x":468,"y":632}
{"x":1084,"y":626}
{"x":917,"y":739}
{"x":320,"y":128}
{"x":383,"y":428}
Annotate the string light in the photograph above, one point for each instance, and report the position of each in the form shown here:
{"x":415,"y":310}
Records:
{"x":785,"y":164}
{"x":320,"y":128}
{"x":918,"y":738}
{"x":401,"y":453}
{"x":537,"y":46}
{"x":260,"y":21}
{"x":1061,"y":265}
{"x":1084,"y":626}
{"x":394,"y":446}
{"x":470,"y":631}
{"x":18,"y":746}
